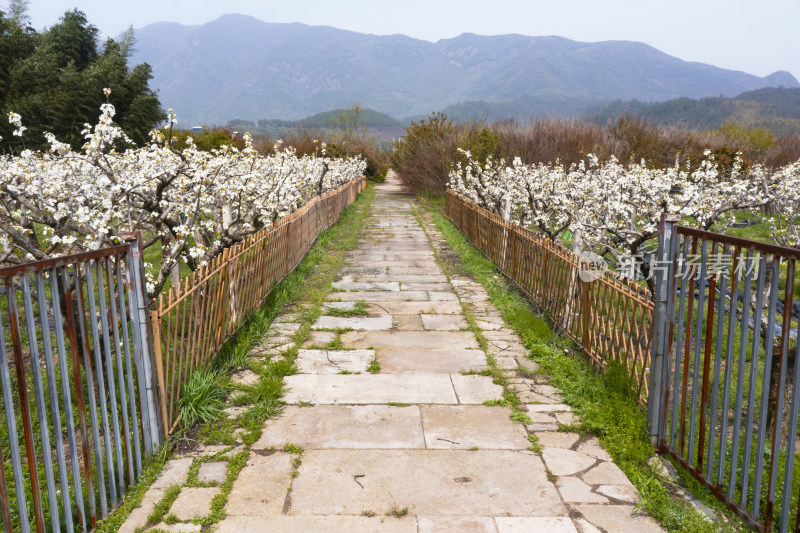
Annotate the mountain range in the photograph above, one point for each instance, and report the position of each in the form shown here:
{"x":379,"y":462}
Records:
{"x":239,"y":67}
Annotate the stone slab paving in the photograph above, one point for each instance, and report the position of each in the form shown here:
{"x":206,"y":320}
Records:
{"x":369,"y":323}
{"x":317,"y":524}
{"x":422,"y":446}
{"x":333,"y":361}
{"x":429,"y":361}
{"x":369,"y":388}
{"x":417,"y":339}
{"x":426,"y":482}
{"x":346,"y":427}
{"x":465,"y":427}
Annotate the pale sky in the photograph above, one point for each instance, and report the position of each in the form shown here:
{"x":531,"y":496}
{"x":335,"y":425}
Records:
{"x":756,"y":37}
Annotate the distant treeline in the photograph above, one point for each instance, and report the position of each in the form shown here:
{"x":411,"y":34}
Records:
{"x":776,"y":109}
{"x":55,"y":79}
{"x":369,"y":118}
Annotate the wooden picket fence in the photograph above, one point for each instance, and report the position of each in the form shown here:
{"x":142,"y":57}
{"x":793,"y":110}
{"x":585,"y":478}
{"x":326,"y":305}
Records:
{"x":609,"y":319}
{"x":192,"y":322}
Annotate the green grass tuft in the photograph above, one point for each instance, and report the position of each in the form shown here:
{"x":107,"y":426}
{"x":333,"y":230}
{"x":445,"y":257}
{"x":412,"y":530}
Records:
{"x":202,"y":397}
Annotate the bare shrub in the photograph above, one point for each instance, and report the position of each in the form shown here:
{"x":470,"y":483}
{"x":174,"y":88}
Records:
{"x":548,"y":141}
{"x":424,"y":156}
{"x":784,"y":150}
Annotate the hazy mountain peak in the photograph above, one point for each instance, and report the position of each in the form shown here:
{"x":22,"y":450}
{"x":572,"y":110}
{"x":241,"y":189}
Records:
{"x":238,"y":66}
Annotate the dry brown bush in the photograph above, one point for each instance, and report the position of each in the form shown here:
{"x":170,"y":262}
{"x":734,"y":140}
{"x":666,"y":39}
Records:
{"x":427,"y":153}
{"x":783,"y":151}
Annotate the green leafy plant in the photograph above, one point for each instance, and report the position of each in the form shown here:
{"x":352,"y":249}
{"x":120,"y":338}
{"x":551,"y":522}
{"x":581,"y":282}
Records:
{"x":202,"y":398}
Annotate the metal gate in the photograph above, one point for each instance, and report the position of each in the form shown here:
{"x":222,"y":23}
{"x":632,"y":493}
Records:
{"x":723,"y":396}
{"x":77,"y":381}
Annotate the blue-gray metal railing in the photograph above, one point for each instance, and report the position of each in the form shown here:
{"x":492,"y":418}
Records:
{"x":80,"y":411}
{"x":725,"y":367}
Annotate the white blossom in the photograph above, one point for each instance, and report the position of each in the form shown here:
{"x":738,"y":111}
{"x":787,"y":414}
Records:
{"x":86,"y":199}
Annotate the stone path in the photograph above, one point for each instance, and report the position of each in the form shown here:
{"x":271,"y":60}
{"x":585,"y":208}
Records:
{"x":390,"y":425}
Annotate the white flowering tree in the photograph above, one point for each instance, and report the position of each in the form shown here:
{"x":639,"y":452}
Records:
{"x":195,"y":203}
{"x":611,"y":209}
{"x":782,"y":187}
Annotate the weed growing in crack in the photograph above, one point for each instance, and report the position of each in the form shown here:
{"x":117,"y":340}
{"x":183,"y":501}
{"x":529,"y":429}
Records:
{"x":397,"y":512}
{"x":374,"y":367}
{"x":535,"y":446}
{"x":292,"y":448}
{"x":162,"y":507}
{"x":520,"y":417}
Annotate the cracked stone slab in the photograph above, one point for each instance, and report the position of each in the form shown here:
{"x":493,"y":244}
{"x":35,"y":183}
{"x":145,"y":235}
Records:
{"x":475,"y":389}
{"x":573,"y":490}
{"x":624,"y":493}
{"x":606,"y":473}
{"x":346,"y":306}
{"x":380,"y":296}
{"x":177,"y":528}
{"x":550,"y":524}
{"x":507,"y":349}
{"x":424,"y":361}
{"x":424,"y":340}
{"x":557,"y":439}
{"x":452,"y":427}
{"x":592,"y":447}
{"x":490,"y":326}
{"x":403,"y":271}
{"x":333,"y":361}
{"x":307,"y":524}
{"x":456,"y":524}
{"x":345,"y":426}
{"x":440,"y":296}
{"x":365,"y":323}
{"x":319,"y":338}
{"x":174,"y":474}
{"x":193,"y":502}
{"x":418,"y":286}
{"x":213,"y":472}
{"x":552,"y":408}
{"x":566,"y":462}
{"x":444,"y":322}
{"x":619,"y":518}
{"x":261,"y":486}
{"x":245,"y":377}
{"x":413,"y":308}
{"x":285,"y":328}
{"x":402,"y":279}
{"x":527,"y":365}
{"x":366,"y":286}
{"x":428,"y":482}
{"x":289,"y":317}
{"x":369,"y":388}
{"x":138,"y":517}
{"x":407,"y":322}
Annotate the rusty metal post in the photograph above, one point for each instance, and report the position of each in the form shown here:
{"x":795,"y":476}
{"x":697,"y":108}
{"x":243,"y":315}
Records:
{"x":658,"y":347}
{"x":143,"y":349}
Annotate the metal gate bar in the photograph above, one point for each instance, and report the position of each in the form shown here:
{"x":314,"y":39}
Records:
{"x":74,"y":329}
{"x":724,"y":306}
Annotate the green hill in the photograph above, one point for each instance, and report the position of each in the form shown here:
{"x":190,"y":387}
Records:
{"x":777,"y":109}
